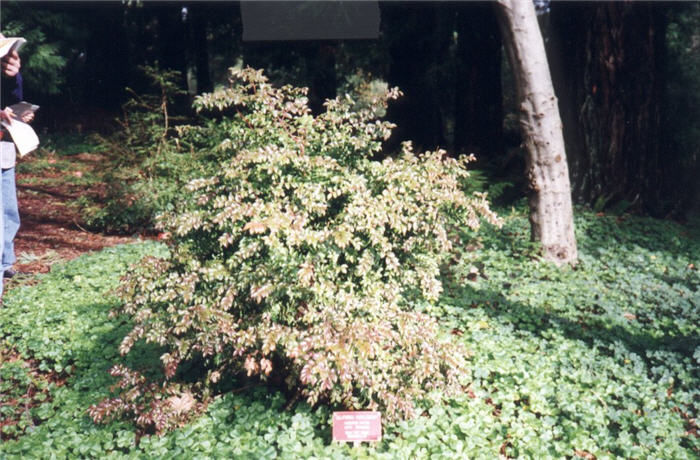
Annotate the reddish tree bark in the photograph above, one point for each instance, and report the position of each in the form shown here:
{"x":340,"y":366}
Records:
{"x":609,"y":68}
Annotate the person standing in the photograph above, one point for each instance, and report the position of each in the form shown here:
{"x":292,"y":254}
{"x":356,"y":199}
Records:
{"x":11,"y":93}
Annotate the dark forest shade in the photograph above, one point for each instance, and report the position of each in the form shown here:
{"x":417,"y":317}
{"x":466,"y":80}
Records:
{"x":446,"y":58}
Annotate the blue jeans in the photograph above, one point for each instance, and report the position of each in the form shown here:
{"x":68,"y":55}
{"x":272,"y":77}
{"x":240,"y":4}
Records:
{"x":10,"y":217}
{"x":7,"y":182}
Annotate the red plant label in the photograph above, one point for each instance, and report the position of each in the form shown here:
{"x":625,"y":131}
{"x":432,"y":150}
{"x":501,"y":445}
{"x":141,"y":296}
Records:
{"x":357,"y":426}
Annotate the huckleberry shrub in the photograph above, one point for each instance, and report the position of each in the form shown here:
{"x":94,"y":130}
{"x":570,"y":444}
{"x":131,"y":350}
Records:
{"x":302,"y":258}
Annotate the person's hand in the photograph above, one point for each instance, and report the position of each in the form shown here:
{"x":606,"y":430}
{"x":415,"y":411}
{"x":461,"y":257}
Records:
{"x":11,"y":64}
{"x":6,"y":115}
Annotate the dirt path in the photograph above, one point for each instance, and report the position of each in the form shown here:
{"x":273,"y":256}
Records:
{"x":51,"y":229}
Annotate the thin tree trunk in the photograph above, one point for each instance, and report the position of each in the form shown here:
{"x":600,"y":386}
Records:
{"x":478,"y":92}
{"x":418,"y":46}
{"x":551,"y":213}
{"x":199,"y":26}
{"x":321,"y":61}
{"x":171,"y":33}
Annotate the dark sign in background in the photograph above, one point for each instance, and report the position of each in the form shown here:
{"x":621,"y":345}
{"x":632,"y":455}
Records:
{"x":310,"y":20}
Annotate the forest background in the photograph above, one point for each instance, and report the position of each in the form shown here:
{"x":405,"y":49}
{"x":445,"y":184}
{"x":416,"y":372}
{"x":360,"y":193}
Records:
{"x":625,"y":74}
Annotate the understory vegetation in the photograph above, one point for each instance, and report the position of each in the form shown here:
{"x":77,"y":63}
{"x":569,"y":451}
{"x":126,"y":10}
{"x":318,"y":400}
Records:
{"x":300,"y":260}
{"x":299,"y":274}
{"x":599,"y":360}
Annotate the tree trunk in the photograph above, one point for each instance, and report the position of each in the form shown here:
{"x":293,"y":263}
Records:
{"x":478,"y":93}
{"x":418,"y":46}
{"x":551,"y":213}
{"x":199,"y":30}
{"x":324,"y":82}
{"x":197,"y":50}
{"x":171,"y":35}
{"x":609,"y":69}
{"x":107,"y":60}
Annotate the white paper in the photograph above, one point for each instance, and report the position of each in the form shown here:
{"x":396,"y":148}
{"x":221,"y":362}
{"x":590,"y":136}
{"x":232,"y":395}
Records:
{"x":23,"y":136}
{"x":10,"y":44}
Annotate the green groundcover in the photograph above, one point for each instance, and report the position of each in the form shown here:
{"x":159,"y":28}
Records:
{"x":600,"y":360}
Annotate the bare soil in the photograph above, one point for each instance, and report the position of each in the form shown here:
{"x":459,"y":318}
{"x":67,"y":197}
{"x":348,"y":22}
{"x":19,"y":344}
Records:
{"x":51,"y":229}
